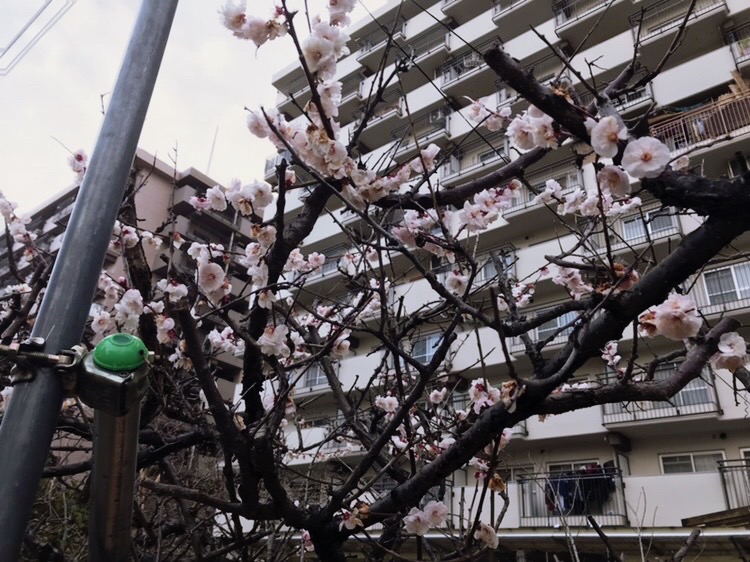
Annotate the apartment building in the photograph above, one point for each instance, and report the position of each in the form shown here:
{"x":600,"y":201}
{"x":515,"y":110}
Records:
{"x":159,"y":188}
{"x":654,"y":469}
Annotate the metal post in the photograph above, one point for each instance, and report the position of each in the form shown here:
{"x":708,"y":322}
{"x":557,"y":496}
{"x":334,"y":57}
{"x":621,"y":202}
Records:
{"x":29,"y":422}
{"x":112,"y":480}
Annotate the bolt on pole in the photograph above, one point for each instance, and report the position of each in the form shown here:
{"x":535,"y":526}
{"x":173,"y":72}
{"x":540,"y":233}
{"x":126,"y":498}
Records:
{"x":30,"y":420}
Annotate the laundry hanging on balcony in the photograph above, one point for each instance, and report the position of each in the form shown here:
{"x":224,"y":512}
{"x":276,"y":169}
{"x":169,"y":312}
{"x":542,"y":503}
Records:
{"x":579,"y":492}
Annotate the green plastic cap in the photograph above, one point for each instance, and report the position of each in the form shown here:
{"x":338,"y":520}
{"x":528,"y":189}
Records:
{"x":120,"y":352}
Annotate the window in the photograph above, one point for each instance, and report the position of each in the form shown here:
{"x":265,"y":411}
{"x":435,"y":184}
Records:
{"x":655,"y":223}
{"x":569,"y":466}
{"x":488,"y":270}
{"x":423,"y":347}
{"x":315,"y":375}
{"x":691,"y":462}
{"x":728,"y":284}
{"x":552,"y":326}
{"x":697,"y":391}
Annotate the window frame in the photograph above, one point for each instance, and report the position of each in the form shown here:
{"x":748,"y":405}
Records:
{"x":736,"y":285}
{"x":692,"y":455}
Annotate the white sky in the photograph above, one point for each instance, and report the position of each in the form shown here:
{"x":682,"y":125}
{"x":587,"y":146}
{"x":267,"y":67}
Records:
{"x":206,"y":79}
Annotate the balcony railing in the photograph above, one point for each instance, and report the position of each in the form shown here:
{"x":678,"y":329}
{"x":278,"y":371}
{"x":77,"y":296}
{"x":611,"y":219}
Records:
{"x":567,"y":11}
{"x":735,"y":478}
{"x":697,"y":397}
{"x":474,"y":156}
{"x":725,"y":118}
{"x":667,"y":15}
{"x":501,"y":6}
{"x":428,"y":42}
{"x":625,"y":102}
{"x":466,"y":63}
{"x":651,"y":223}
{"x":738,"y":39}
{"x":425,"y":128}
{"x":545,"y":70}
{"x":722,"y":289}
{"x":556,"y":499}
{"x":567,"y":176}
{"x":378,"y":37}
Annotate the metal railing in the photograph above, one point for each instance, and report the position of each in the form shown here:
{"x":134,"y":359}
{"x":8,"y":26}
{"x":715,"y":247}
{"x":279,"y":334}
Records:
{"x":567,"y":176}
{"x":726,"y":117}
{"x":649,"y":224}
{"x":697,"y":397}
{"x":552,"y":500}
{"x":474,"y":156}
{"x":378,"y":37}
{"x":465,"y":63}
{"x":738,"y":39}
{"x":428,"y":42}
{"x":567,"y":11}
{"x":623,"y":103}
{"x":721,"y":289}
{"x":667,"y":15}
{"x":392,"y":104}
{"x":545,"y":70}
{"x":501,"y":6}
{"x":424,"y":128}
{"x":735,"y":479}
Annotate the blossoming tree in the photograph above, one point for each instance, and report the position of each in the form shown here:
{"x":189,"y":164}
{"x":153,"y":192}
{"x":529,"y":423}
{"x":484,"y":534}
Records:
{"x":402,"y":416}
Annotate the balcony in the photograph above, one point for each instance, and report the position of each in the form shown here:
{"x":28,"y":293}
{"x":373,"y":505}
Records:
{"x":721,"y":290}
{"x":698,"y":397}
{"x":566,"y":175}
{"x":650,"y":224}
{"x":557,"y":331}
{"x":298,"y":91}
{"x":546,"y":70}
{"x":270,"y":168}
{"x":667,"y":15}
{"x":433,"y":127}
{"x":387,"y":114}
{"x":553,"y":500}
{"x":735,"y":479}
{"x":474,"y":158}
{"x":467,"y":73}
{"x":501,"y":6}
{"x":426,"y":47}
{"x":738,"y":39}
{"x":723,"y":119}
{"x":371,"y":46}
{"x":225,"y":221}
{"x":640,"y":97}
{"x":569,"y":11}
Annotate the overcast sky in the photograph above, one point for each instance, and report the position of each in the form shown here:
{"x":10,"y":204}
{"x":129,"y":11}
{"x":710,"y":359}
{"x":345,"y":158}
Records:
{"x":206,"y":79}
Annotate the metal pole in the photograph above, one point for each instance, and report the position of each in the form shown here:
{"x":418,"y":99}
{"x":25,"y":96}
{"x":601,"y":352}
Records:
{"x":112,"y":481}
{"x":29,"y":422}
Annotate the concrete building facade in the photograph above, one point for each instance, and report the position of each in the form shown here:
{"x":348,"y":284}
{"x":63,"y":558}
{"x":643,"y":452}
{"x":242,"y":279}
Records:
{"x":661,"y":465}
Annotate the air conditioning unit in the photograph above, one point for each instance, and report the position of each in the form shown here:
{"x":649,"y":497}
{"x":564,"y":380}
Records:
{"x":436,"y":117}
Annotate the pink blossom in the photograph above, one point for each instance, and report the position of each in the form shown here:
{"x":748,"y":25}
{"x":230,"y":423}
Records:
{"x":273,"y":341}
{"x":456,"y":283}
{"x":437,"y":396}
{"x":416,"y":522}
{"x":487,"y":535}
{"x":389,"y":404}
{"x":210,"y":277}
{"x":732,"y":352}
{"x":677,"y":318}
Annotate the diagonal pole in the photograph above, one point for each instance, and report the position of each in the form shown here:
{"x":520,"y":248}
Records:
{"x":29,"y":422}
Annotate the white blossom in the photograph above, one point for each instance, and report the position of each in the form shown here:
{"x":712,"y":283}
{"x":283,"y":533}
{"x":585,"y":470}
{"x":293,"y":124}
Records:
{"x":645,"y":157}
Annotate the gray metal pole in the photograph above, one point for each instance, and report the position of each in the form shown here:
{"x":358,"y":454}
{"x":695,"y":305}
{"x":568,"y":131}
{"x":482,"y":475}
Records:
{"x":112,"y":481}
{"x":29,"y":422}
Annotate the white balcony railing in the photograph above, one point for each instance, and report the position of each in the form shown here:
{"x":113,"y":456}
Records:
{"x":667,"y":15}
{"x":725,"y":118}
